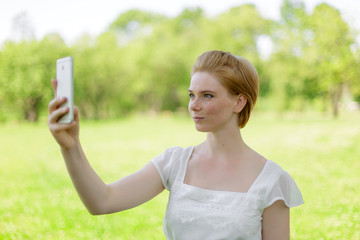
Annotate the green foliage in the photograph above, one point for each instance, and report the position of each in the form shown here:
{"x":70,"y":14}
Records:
{"x":313,"y":57}
{"x":38,"y":200}
{"x":25,"y":72}
{"x":142,"y":61}
{"x":335,"y":62}
{"x":135,"y":20}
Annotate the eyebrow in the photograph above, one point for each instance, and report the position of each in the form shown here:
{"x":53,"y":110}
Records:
{"x":203,"y":91}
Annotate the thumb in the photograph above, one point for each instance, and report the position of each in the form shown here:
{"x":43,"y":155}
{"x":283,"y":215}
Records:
{"x":54,"y":86}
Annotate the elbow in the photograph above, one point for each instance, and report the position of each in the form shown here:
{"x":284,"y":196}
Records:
{"x":100,"y":211}
{"x":95,"y":213}
{"x":97,"y":206}
{"x":102,"y":205}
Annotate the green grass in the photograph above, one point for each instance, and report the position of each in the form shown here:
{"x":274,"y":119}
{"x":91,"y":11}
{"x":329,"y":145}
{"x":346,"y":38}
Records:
{"x":38,"y":201}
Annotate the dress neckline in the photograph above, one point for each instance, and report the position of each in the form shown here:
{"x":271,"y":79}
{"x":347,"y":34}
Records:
{"x":183,"y":174}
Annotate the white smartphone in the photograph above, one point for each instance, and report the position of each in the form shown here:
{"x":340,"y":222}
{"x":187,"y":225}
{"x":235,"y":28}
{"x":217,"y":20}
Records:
{"x":65,"y":86}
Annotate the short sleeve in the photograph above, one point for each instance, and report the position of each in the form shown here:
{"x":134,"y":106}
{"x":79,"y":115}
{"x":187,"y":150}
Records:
{"x":284,"y":188}
{"x":170,"y":163}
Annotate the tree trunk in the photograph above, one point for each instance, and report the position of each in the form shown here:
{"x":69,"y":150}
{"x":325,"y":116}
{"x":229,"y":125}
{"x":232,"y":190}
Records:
{"x":31,"y":110}
{"x":335,"y":95}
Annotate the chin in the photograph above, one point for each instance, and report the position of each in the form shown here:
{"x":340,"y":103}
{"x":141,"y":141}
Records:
{"x":200,"y":128}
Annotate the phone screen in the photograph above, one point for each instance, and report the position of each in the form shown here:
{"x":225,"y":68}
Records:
{"x":65,"y":86}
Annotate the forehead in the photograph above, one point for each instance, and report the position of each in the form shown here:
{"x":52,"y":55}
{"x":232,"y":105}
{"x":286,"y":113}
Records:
{"x":204,"y":80}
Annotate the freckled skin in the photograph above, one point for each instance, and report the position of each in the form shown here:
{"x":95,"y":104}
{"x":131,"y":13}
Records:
{"x":212,"y":103}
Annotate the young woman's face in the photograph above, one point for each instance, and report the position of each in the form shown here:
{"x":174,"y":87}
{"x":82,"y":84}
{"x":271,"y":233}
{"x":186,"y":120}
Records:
{"x":211,"y":106}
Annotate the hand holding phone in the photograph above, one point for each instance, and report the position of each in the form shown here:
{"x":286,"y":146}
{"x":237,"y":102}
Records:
{"x":65,"y":86}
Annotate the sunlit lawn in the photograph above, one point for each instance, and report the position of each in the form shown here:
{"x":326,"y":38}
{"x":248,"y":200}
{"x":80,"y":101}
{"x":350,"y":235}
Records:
{"x":37,"y":200}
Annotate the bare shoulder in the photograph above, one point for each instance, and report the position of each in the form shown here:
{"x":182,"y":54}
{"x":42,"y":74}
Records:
{"x":258,"y":161}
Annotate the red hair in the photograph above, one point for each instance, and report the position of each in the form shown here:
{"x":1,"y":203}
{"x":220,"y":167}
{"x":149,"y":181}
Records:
{"x":236,"y":74}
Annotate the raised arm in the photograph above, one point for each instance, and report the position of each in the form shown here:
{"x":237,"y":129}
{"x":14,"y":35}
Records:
{"x":98,"y":197}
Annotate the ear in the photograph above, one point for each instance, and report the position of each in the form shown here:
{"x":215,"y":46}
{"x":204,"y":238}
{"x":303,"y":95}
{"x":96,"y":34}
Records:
{"x":241,"y":101}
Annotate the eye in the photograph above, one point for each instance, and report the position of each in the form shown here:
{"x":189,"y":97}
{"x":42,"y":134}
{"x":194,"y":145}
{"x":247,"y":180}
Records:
{"x":191,"y":95}
{"x":208,"y":95}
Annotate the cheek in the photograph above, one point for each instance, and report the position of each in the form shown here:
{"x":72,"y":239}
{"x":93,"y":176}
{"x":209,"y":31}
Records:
{"x":222,"y":110}
{"x":217,"y":110}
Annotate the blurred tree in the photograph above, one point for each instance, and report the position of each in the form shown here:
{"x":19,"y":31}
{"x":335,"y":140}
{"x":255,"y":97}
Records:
{"x":238,"y":31}
{"x":25,"y":72}
{"x":134,"y":24}
{"x":170,"y":59}
{"x":100,"y":78}
{"x":335,"y":62}
{"x":284,"y":66}
{"x":312,"y":57}
{"x":158,"y":64}
{"x":354,"y":85}
{"x":142,"y":61}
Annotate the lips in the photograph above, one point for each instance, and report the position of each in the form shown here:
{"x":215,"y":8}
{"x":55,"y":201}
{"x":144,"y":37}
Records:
{"x":197,"y":119}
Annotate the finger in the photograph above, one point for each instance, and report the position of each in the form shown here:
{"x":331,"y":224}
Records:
{"x":76,"y":114}
{"x":57,"y":114}
{"x":54,"y":86}
{"x":55,"y":103}
{"x":61,"y":127}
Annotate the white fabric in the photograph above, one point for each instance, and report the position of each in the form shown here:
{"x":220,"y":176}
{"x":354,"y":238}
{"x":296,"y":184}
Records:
{"x":197,"y":214}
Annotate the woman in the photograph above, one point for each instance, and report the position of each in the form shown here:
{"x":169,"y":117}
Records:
{"x":219,"y":189}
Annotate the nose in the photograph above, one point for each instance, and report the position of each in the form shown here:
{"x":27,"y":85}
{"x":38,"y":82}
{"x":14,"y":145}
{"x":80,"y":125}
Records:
{"x":194,"y":105}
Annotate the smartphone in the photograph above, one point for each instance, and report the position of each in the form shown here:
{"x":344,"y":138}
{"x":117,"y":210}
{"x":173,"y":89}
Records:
{"x":65,"y":86}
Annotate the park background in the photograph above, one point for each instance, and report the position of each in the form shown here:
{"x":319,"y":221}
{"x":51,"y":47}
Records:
{"x":131,"y":82}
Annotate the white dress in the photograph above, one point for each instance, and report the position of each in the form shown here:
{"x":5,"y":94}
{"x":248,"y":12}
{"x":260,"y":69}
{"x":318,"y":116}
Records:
{"x":194,"y":213}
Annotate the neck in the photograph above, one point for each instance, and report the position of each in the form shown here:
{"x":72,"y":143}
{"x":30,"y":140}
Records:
{"x":225,"y":143}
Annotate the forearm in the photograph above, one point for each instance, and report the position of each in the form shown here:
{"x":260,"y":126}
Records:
{"x":91,"y":189}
